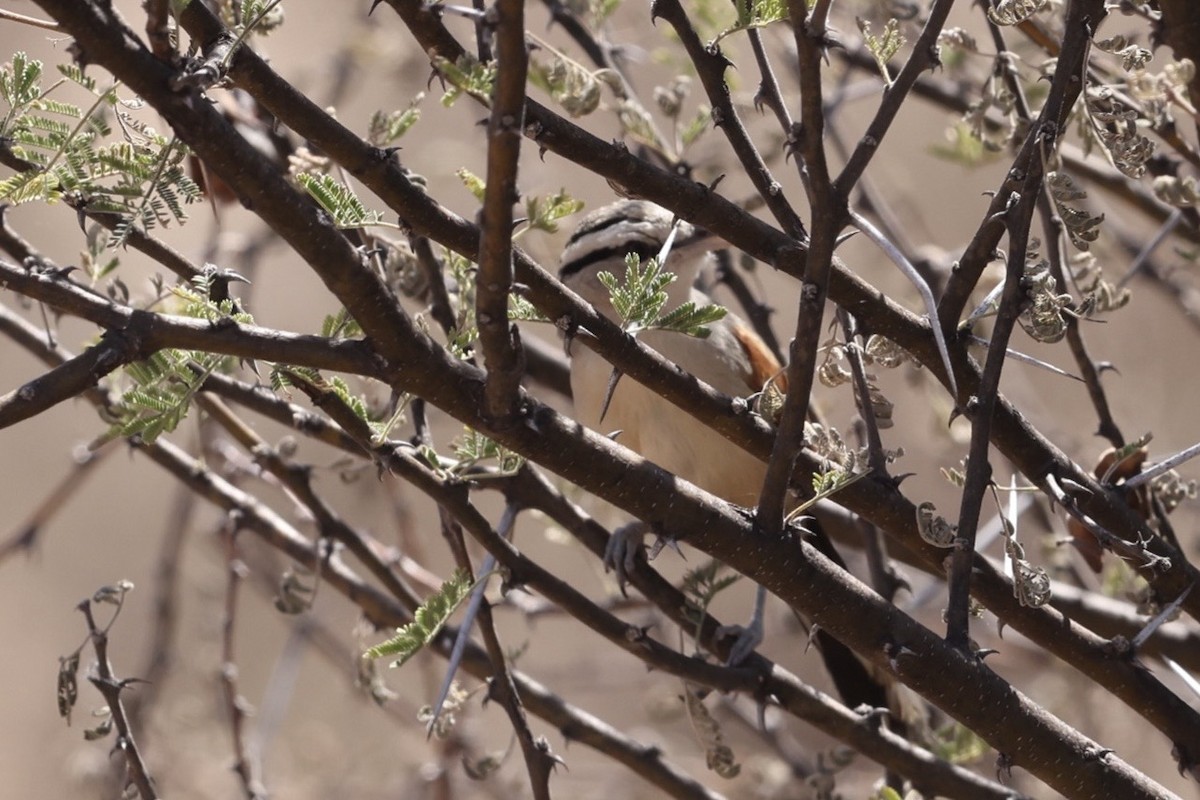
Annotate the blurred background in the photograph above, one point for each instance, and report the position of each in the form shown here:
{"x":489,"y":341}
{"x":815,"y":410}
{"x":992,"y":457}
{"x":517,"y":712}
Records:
{"x":317,"y":734}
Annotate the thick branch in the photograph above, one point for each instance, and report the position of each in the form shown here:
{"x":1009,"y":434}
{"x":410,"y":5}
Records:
{"x":500,"y":339}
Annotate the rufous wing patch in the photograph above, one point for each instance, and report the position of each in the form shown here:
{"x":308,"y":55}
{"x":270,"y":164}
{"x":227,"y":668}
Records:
{"x":763,"y":364}
{"x":1112,"y":472}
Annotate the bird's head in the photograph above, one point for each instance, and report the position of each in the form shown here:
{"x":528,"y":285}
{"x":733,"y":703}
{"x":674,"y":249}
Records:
{"x":606,"y":236}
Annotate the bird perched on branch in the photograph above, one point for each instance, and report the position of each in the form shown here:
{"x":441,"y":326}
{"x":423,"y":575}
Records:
{"x":731,"y":358}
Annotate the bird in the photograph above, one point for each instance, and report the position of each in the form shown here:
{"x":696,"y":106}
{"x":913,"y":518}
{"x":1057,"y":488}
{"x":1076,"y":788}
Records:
{"x":732,"y":358}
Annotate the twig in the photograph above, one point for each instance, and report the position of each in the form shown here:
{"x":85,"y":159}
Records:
{"x":1169,"y":610}
{"x":1083,"y":361}
{"x":297,"y":480}
{"x":897,"y":257}
{"x":1065,"y":89}
{"x":71,"y":378}
{"x":979,"y":409}
{"x":167,"y":590}
{"x":924,"y":55}
{"x":12,"y":16}
{"x":543,"y":497}
{"x":111,"y":687}
{"x":1053,"y":230}
{"x":1136,"y":552}
{"x":440,"y":306}
{"x":539,"y":760}
{"x":1111,"y":617}
{"x":710,"y":66}
{"x":26,"y":535}
{"x":1143,"y":256}
{"x":161,"y":330}
{"x":245,"y":764}
{"x":866,"y":410}
{"x":1166,"y":465}
{"x":757,"y":312}
{"x":562,"y":15}
{"x":828,"y":213}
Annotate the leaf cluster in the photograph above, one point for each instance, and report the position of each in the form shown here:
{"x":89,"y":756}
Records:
{"x":141,"y":176}
{"x":164,"y":385}
{"x":754,"y":14}
{"x":338,"y":200}
{"x":639,"y":301}
{"x":466,"y":75}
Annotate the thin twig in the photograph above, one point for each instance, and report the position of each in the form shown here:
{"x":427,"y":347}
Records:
{"x":1088,"y":370}
{"x":828,"y":213}
{"x":1166,"y":465}
{"x":1143,"y":257}
{"x":897,"y":257}
{"x":924,"y":55}
{"x":245,"y":764}
{"x":111,"y":688}
{"x":710,"y":66}
{"x":12,"y":16}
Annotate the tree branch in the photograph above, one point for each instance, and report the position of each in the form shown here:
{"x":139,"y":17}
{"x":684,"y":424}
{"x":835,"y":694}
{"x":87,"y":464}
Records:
{"x":500,"y":339}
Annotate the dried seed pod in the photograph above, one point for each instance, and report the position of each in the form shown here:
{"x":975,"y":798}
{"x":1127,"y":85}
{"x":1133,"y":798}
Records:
{"x":934,"y":528}
{"x":1114,"y":468}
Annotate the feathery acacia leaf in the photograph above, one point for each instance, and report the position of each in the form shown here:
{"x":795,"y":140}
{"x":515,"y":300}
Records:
{"x":640,"y":299}
{"x":338,"y":200}
{"x":427,"y":622}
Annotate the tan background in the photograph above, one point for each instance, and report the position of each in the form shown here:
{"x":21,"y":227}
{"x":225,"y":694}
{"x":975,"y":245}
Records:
{"x":327,"y":740}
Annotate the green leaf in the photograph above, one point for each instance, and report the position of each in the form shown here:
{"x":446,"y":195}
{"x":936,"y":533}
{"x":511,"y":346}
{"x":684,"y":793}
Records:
{"x":640,"y":299}
{"x":261,"y":17}
{"x":19,"y":81}
{"x":957,"y":744}
{"x":466,"y":75}
{"x":198,"y":302}
{"x":428,"y":620}
{"x":73,"y":73}
{"x":755,"y":14}
{"x":384,"y":129}
{"x":691,"y":319}
{"x":475,"y":184}
{"x":701,"y":586}
{"x":340,"y":326}
{"x":642,"y":296}
{"x":473,"y":447}
{"x":883,"y":48}
{"x":139,"y":177}
{"x":520,"y":309}
{"x":544,"y":212}
{"x":164,"y":386}
{"x":338,"y":200}
{"x":826,"y":484}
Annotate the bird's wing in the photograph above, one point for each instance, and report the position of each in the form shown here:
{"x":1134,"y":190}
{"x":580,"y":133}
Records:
{"x":763,"y":364}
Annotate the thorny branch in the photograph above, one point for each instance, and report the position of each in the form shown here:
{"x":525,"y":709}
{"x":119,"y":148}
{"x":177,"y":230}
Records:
{"x":400,"y":354}
{"x":500,"y":339}
{"x":828,"y":213}
{"x":111,"y":687}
